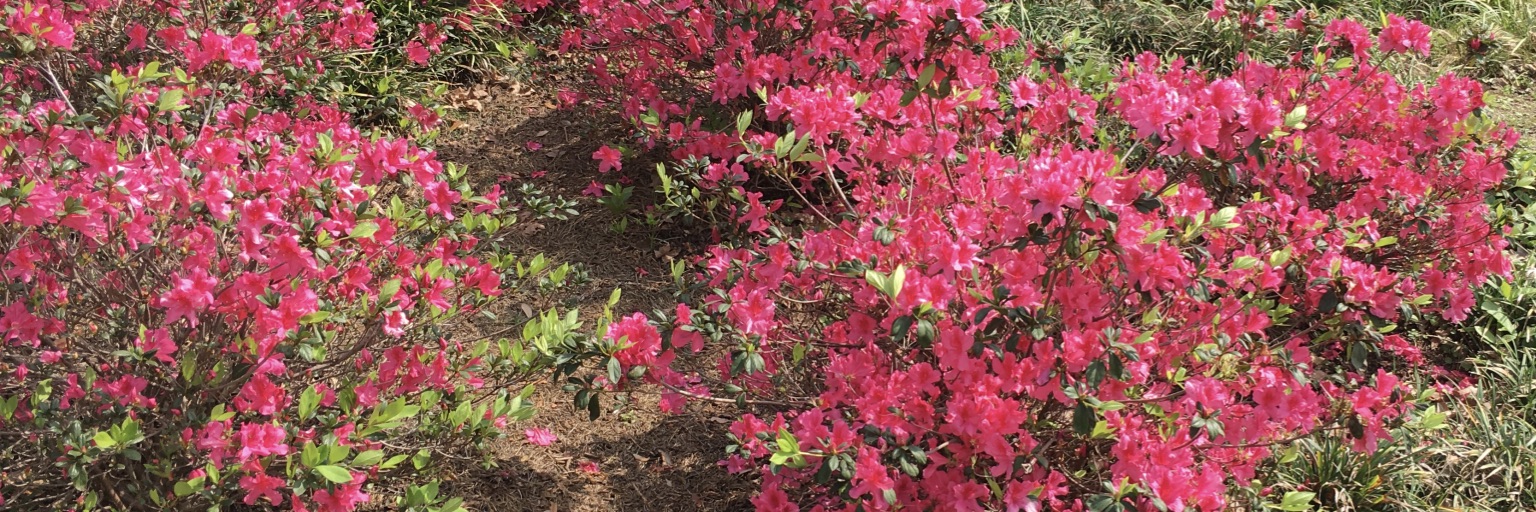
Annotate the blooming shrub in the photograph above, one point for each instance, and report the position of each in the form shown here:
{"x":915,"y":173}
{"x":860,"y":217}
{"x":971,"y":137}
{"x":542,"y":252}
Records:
{"x":420,"y":48}
{"x":217,"y":289}
{"x":1046,"y":291}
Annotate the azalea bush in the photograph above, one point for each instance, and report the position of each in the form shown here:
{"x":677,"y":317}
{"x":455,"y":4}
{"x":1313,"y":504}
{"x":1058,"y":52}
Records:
{"x":1059,"y":288}
{"x":418,"y":50}
{"x":219,"y":291}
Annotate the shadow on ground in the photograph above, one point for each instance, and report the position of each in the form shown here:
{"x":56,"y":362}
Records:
{"x":646,"y":460}
{"x":650,"y":462}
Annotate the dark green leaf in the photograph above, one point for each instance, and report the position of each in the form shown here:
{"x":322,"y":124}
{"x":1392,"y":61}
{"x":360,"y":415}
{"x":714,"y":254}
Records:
{"x":1083,"y":419}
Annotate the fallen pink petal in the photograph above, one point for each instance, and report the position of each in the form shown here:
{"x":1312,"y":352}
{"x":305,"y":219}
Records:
{"x":540,"y":436}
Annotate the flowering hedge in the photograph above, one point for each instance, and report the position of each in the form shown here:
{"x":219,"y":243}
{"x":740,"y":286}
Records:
{"x":217,"y":290}
{"x":1049,"y":290}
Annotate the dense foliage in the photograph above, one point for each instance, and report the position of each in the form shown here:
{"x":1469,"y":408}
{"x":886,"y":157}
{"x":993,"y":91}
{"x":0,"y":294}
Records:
{"x":960,"y":268}
{"x":1056,"y":289}
{"x":217,"y":290}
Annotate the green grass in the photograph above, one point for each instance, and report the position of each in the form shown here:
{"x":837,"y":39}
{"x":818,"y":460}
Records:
{"x":1111,"y":30}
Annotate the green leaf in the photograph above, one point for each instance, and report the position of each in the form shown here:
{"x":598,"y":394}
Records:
{"x":169,"y":100}
{"x":1290,"y":454}
{"x":364,"y":229}
{"x":309,"y":400}
{"x":1295,"y":118}
{"x":151,"y":70}
{"x":394,"y":461}
{"x":891,"y":284}
{"x":1297,"y":501}
{"x":1083,"y":419}
{"x":781,"y":147}
{"x":369,"y":458}
{"x":743,"y":121}
{"x":926,"y":76}
{"x":615,"y":371}
{"x":1433,"y":419}
{"x":335,"y":474}
{"x":389,"y":289}
{"x":1223,"y":218}
{"x":316,"y":317}
{"x":1280,"y":257}
{"x":311,"y":455}
{"x":799,"y":148}
{"x":1095,"y":374}
{"x":104,"y":440}
{"x":1329,"y":302}
{"x":1101,"y":502}
{"x":1357,"y":353}
{"x":337,"y":453}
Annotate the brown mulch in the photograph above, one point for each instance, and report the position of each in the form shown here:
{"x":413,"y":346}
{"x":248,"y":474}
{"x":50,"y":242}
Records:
{"x":647,"y":460}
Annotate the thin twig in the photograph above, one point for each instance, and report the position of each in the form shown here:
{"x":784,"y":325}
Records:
{"x":730,"y":401}
{"x":57,"y":88}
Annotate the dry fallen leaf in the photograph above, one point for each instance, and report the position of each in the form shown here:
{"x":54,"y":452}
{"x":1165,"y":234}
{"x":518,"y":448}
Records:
{"x":665,"y":251}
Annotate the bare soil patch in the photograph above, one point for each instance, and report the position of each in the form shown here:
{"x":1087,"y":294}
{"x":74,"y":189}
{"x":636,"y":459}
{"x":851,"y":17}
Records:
{"x":646,"y":460}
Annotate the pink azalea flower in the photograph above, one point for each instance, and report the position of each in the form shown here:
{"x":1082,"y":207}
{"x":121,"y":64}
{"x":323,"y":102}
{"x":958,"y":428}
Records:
{"x":609,"y":159}
{"x":243,"y":53}
{"x":594,"y":189}
{"x":261,"y":440}
{"x":159,"y":342}
{"x":190,"y":293}
{"x":540,"y":436}
{"x":262,"y":486}
{"x":344,"y":498}
{"x":261,"y":396}
{"x":417,"y":53}
{"x":1404,"y":35}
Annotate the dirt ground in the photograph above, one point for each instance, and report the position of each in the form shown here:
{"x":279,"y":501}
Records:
{"x":647,"y":460}
{"x":1518,"y":109}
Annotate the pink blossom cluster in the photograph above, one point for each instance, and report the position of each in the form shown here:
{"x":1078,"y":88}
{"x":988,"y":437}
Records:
{"x":218,"y":283}
{"x":1015,"y":292}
